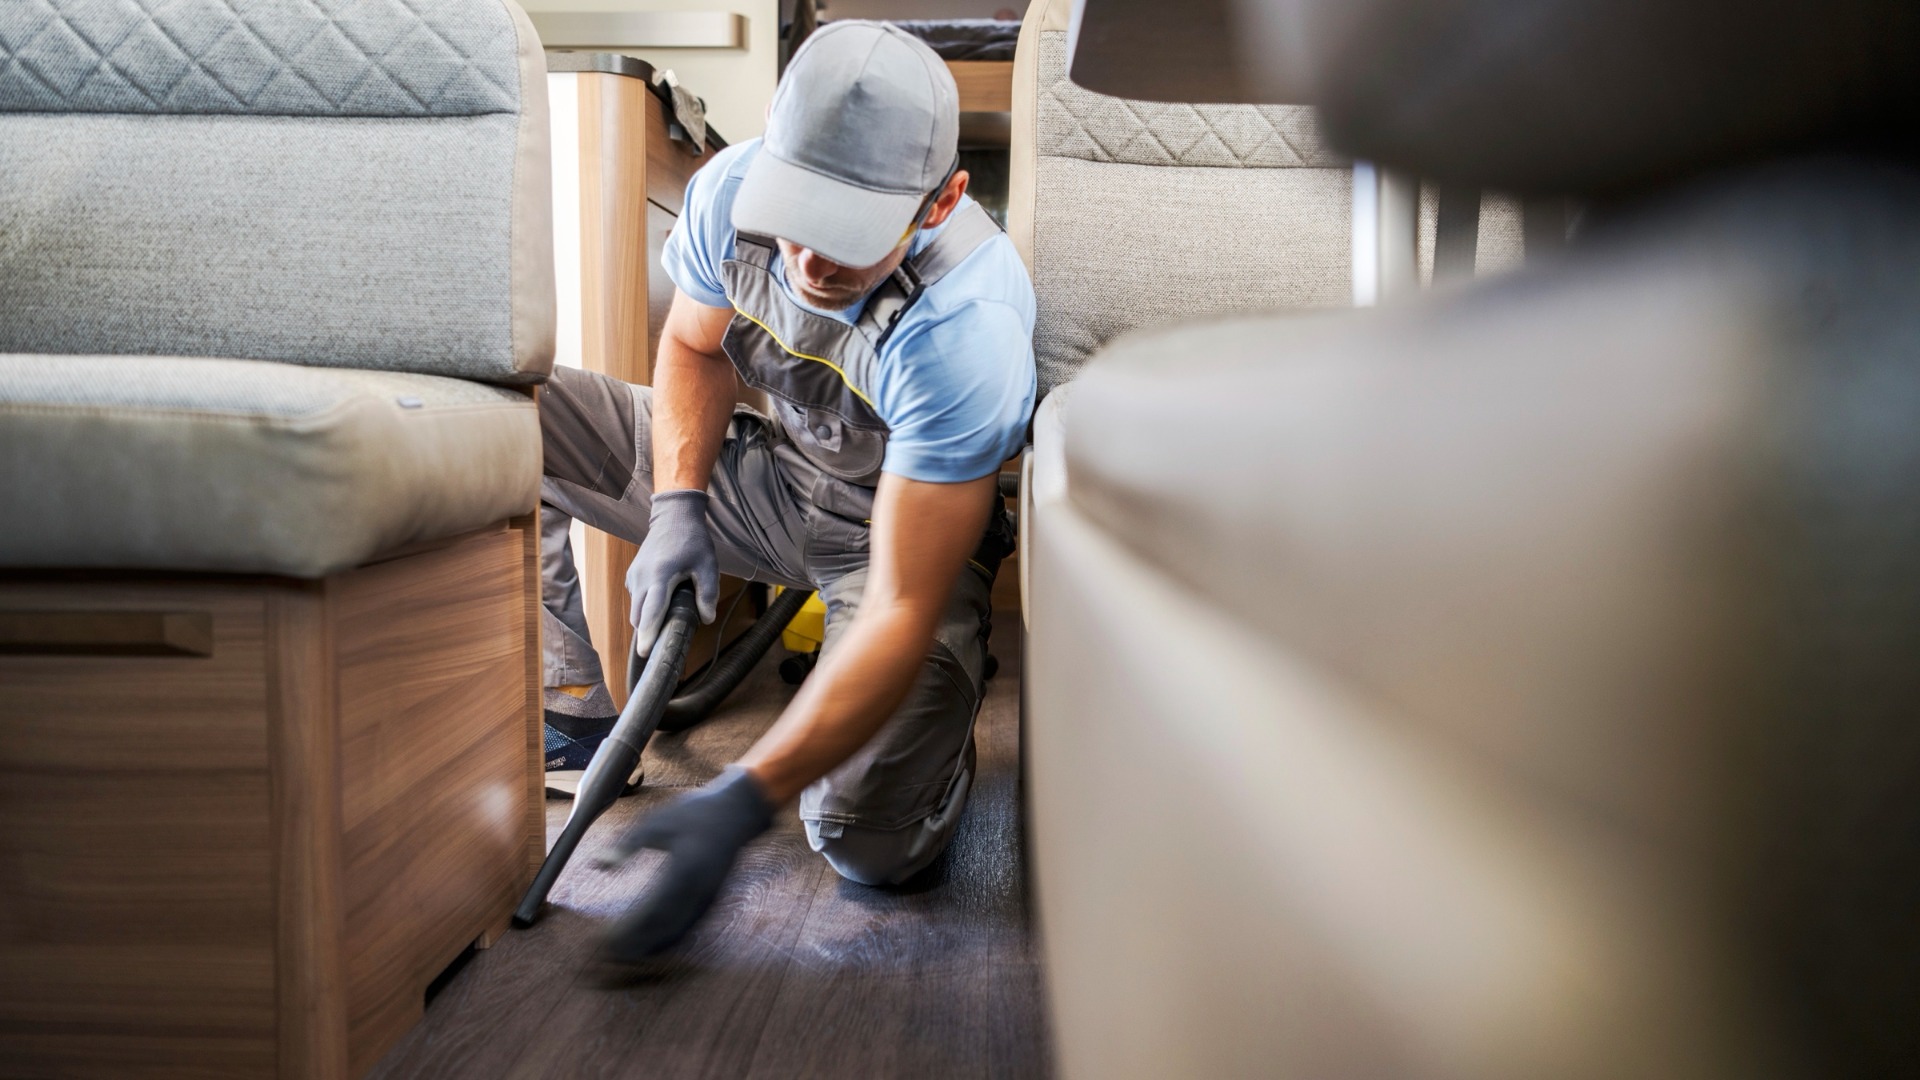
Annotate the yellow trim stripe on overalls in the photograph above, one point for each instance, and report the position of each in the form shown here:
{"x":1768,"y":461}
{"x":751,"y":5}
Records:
{"x":791,"y":351}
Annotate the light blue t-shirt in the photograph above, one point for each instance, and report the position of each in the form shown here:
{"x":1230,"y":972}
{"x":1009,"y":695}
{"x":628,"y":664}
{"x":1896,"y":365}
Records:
{"x":955,"y":380}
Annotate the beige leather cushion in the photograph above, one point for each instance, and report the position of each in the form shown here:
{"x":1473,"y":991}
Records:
{"x":1247,"y":866}
{"x":1486,"y":514}
{"x":173,"y":463}
{"x":1387,"y":666}
{"x":1518,"y":682}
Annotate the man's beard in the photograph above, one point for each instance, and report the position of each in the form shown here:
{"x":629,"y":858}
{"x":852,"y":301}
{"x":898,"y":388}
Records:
{"x":834,"y":301}
{"x":839,"y":298}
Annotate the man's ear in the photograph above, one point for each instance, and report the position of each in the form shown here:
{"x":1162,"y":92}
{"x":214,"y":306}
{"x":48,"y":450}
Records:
{"x":943,"y":206}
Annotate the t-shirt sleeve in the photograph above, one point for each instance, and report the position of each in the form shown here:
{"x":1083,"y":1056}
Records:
{"x":960,"y":406}
{"x":697,"y":246}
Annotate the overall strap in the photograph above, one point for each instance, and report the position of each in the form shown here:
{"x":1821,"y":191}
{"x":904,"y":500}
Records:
{"x":965,"y":231}
{"x":754,"y":249}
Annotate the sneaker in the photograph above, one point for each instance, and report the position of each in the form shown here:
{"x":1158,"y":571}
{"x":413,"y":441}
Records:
{"x":576,"y":726}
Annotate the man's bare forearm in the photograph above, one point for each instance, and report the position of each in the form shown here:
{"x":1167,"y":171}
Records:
{"x":693,"y":397}
{"x":922,"y":535}
{"x":845,"y":701}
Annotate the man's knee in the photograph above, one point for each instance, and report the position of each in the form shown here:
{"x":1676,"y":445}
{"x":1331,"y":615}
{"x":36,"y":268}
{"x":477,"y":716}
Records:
{"x":876,"y":856}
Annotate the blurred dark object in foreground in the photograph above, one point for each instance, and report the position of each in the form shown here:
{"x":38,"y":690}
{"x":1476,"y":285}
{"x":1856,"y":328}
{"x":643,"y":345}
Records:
{"x":1533,"y":96}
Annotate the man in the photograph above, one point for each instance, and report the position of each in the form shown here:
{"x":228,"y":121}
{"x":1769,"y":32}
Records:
{"x":839,"y":266}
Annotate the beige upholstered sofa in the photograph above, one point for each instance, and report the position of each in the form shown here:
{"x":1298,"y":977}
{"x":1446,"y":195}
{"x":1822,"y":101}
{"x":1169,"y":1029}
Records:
{"x":276,"y":288}
{"x":1514,"y":682}
{"x":1134,"y":214}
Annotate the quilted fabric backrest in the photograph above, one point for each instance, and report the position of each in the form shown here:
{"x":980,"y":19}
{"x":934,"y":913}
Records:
{"x":1131,"y":213}
{"x":348,"y":183}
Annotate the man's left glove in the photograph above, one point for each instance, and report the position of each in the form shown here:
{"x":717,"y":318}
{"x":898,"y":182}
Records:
{"x":702,"y":833}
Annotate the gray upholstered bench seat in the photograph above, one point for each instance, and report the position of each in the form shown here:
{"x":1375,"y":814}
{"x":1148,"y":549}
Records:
{"x":172,"y":463}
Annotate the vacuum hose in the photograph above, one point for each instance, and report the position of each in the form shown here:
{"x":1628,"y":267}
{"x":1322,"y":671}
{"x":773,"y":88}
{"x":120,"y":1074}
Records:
{"x":619,"y":754}
{"x":733,"y":665}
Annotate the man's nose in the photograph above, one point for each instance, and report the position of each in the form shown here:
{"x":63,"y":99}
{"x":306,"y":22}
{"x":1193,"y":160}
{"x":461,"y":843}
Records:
{"x":817,"y":266}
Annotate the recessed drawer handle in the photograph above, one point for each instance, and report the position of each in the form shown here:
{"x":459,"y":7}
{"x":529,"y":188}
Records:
{"x":106,"y":633}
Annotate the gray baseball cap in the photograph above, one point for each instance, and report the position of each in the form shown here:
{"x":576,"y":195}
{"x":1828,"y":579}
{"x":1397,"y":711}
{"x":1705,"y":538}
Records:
{"x":865,"y":124}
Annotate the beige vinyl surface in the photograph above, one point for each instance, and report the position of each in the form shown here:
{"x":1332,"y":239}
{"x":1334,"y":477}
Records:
{"x":1388,"y":681}
{"x":1246,"y":868}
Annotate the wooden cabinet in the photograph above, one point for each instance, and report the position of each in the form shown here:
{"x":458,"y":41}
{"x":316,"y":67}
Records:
{"x":245,"y":821}
{"x":614,"y":144}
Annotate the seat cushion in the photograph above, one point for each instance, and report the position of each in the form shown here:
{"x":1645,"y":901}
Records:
{"x":176,"y":463}
{"x":1558,"y":493}
{"x":1623,"y":548}
{"x":1134,"y":213}
{"x":361,"y":185}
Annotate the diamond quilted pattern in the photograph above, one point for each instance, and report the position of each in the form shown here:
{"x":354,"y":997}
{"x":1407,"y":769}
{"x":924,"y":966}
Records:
{"x":1078,"y":123}
{"x":262,"y":57}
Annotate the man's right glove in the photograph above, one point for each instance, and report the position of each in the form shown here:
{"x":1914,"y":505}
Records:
{"x":678,"y":548}
{"x":702,"y":833}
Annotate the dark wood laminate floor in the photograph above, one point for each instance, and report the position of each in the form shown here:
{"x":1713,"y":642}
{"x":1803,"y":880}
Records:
{"x":796,"y":973}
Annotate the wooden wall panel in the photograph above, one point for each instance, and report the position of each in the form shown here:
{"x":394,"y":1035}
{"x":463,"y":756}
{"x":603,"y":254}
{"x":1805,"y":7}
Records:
{"x":984,"y":85}
{"x":617,"y":338}
{"x":604,"y":588}
{"x":613,"y":225}
{"x":633,"y":180}
{"x":431,"y":655}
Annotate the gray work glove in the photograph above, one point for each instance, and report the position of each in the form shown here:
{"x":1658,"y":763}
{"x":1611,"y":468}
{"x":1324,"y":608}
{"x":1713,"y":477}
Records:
{"x":702,"y":833}
{"x":678,"y":548}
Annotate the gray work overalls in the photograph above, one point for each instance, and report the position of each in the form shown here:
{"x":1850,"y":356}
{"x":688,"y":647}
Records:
{"x":816,"y":370}
{"x":791,"y":499}
{"x":816,"y":373}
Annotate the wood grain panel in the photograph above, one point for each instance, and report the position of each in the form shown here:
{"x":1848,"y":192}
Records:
{"x":606,"y":602}
{"x":136,"y":872}
{"x":985,"y":85}
{"x":138,"y":713}
{"x":53,"y":1054}
{"x":431,"y":659}
{"x":304,"y":727}
{"x":616,"y":332}
{"x":181,"y":889}
{"x":633,"y":180}
{"x":613,"y":225}
{"x":107,"y":633}
{"x":109,"y":990}
{"x":528,"y":529}
{"x":115,"y":859}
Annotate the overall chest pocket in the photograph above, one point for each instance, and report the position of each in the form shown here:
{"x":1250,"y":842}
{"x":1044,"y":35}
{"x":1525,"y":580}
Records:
{"x":848,"y":452}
